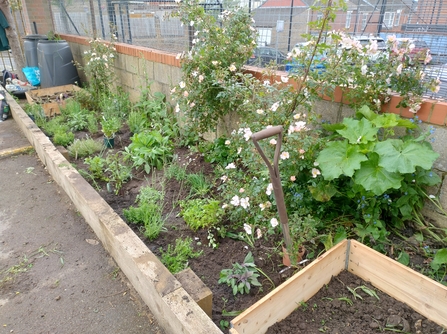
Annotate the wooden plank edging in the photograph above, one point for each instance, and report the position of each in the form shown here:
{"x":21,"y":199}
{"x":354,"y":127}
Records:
{"x":279,"y":303}
{"x":421,"y":293}
{"x":171,"y":305}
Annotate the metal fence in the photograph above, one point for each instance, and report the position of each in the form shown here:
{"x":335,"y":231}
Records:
{"x":280,"y":23}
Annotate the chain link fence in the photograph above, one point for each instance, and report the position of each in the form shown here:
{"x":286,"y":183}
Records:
{"x":280,"y":24}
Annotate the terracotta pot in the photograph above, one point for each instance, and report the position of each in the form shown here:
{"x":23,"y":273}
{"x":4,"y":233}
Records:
{"x":299,"y":256}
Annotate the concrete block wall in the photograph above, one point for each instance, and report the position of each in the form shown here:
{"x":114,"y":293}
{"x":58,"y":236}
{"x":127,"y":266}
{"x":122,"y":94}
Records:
{"x":136,"y":64}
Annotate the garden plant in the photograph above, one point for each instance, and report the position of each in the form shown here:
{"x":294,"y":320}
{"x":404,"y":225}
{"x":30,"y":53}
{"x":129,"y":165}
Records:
{"x":366,"y":176}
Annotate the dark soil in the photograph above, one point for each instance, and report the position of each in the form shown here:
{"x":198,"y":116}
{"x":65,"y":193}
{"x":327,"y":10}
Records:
{"x":267,"y":258}
{"x":325,"y":312}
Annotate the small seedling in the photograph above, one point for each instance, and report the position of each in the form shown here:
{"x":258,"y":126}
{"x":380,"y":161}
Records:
{"x":303,"y":305}
{"x":224,"y":324}
{"x":176,"y":258}
{"x":346,"y":299}
{"x":365,"y":289}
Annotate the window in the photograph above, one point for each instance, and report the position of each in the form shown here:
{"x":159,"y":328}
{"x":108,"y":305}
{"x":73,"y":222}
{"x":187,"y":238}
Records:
{"x":388,"y":19}
{"x":364,"y":20}
{"x":397,"y":17}
{"x":264,"y":36}
{"x":348,"y":19}
{"x":319,"y":16}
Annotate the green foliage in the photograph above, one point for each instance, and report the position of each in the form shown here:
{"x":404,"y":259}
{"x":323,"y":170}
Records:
{"x":387,"y":175}
{"x":54,"y":125}
{"x":212,"y":71}
{"x":63,"y":138}
{"x":150,"y":149}
{"x":36,"y":112}
{"x":110,"y":125}
{"x":242,"y":277}
{"x":365,"y":289}
{"x":137,"y":121}
{"x":81,"y":148}
{"x":99,"y":67}
{"x":148,"y":212}
{"x":117,"y":170}
{"x":439,"y":265}
{"x":176,"y":258}
{"x":219,"y":151}
{"x":372,"y":76}
{"x":199,"y":184}
{"x":201,"y":213}
{"x":175,"y":171}
{"x":76,"y":117}
{"x":96,"y":166}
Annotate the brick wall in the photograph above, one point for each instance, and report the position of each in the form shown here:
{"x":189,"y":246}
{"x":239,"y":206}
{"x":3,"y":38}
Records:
{"x":38,"y":12}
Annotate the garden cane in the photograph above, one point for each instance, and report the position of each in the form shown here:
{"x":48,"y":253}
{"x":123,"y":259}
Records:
{"x":275,"y":178}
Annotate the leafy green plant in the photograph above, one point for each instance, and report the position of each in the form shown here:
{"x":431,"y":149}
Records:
{"x":176,"y":258}
{"x":242,"y":277}
{"x":149,"y":212}
{"x":365,"y":289}
{"x":76,"y":117}
{"x":149,"y":149}
{"x":63,"y":138}
{"x":224,"y":324}
{"x":96,"y":166}
{"x":212,"y":70}
{"x":175,"y":171}
{"x":35,"y":111}
{"x":199,"y":184}
{"x":439,"y":265}
{"x":110,"y":126}
{"x":54,"y":125}
{"x":201,"y":213}
{"x":118,"y":172}
{"x":386,"y":175}
{"x":81,"y":148}
{"x":137,"y":121}
{"x":99,"y":67}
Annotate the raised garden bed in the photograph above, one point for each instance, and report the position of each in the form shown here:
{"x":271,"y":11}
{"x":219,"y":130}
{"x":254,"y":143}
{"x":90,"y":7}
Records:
{"x":51,"y":98}
{"x":170,"y":301}
{"x":422,"y":294}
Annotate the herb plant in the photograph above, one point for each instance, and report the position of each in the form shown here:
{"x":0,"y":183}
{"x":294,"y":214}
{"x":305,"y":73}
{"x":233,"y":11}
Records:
{"x":176,"y":258}
{"x":201,"y":213}
{"x":242,"y":277}
{"x":150,"y":149}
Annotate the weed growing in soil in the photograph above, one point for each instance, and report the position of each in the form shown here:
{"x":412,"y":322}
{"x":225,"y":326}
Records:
{"x":201,"y":213}
{"x":176,"y":259}
{"x":148,"y":212}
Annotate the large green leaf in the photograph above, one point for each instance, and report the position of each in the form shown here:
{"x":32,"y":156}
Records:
{"x":375,"y":178}
{"x":403,"y":157}
{"x":386,"y":121}
{"x":366,"y":112}
{"x":439,"y":259}
{"x":323,"y":192}
{"x":339,"y":158}
{"x":357,"y":132}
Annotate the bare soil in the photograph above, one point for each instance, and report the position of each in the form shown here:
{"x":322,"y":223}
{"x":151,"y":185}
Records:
{"x":335,"y":310}
{"x":367,"y":316}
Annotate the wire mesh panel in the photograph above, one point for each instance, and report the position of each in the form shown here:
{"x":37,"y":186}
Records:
{"x":281,"y":24}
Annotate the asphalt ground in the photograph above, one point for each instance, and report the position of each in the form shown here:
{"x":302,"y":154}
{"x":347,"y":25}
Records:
{"x":55,"y":276}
